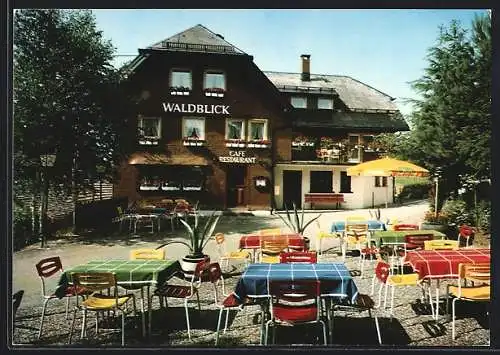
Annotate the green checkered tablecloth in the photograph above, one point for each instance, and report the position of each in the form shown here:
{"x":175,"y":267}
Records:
{"x":381,"y":237}
{"x":127,"y":272}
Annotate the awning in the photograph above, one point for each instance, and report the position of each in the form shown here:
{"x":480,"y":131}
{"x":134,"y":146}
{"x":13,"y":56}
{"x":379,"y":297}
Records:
{"x":147,"y":158}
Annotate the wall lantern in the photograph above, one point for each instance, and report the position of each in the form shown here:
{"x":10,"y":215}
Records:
{"x":261,"y":183}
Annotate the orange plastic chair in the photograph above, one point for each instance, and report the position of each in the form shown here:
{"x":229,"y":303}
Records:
{"x":405,"y":227}
{"x":479,"y":273}
{"x":271,"y":248}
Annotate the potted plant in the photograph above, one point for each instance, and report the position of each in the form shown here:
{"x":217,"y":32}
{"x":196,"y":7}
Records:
{"x":435,"y":221}
{"x":296,"y":223}
{"x":199,"y":235}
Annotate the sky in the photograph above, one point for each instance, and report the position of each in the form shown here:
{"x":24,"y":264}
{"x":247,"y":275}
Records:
{"x":385,"y":49}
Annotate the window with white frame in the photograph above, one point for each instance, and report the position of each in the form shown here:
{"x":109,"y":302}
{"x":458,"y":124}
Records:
{"x":235,"y":129}
{"x":257,"y":130}
{"x":193,"y":128}
{"x":325,"y":103}
{"x":149,"y":127}
{"x":299,"y":101}
{"x":215,"y":80}
{"x":181,"y":79}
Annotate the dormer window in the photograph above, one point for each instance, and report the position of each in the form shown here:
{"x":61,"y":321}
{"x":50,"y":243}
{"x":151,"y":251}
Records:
{"x":214,"y":83}
{"x":299,"y":101}
{"x":181,"y":82}
{"x":325,"y":103}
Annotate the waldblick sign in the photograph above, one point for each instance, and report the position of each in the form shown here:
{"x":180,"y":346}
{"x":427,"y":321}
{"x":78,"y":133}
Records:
{"x":196,"y":108}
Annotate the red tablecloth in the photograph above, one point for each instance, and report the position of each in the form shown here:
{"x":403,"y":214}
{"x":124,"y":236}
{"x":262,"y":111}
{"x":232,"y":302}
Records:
{"x":253,"y":241}
{"x":437,"y":264}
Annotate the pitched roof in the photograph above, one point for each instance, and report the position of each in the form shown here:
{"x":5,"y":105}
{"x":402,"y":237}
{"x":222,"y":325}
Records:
{"x":376,"y":122}
{"x":355,"y":94}
{"x":197,"y":39}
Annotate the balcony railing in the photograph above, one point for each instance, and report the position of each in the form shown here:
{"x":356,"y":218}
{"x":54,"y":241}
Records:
{"x":310,"y":152}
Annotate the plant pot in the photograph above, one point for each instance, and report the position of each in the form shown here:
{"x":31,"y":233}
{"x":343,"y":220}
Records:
{"x":188,"y":265}
{"x":443,"y":228}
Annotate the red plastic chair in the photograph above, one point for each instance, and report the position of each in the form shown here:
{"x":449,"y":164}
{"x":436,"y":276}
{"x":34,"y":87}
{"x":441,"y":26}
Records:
{"x":416,"y":241}
{"x":294,"y":302}
{"x":466,"y":232}
{"x":227,"y":302}
{"x":185,"y":292}
{"x":46,"y":268}
{"x":299,"y":257}
{"x":406,"y":227}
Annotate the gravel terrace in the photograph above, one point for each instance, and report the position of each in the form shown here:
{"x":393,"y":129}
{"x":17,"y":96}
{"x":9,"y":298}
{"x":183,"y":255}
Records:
{"x":412,"y":325}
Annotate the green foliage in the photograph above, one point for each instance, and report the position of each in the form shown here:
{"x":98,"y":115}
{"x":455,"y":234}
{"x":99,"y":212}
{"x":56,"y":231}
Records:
{"x":199,"y":233}
{"x":482,"y":215}
{"x":457,"y":212}
{"x":22,"y":234}
{"x":296,"y":221}
{"x":451,"y":123}
{"x":66,"y":95}
{"x":414,"y":191}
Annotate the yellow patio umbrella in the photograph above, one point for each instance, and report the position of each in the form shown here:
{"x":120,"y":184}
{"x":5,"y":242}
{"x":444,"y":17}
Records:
{"x":387,"y":167}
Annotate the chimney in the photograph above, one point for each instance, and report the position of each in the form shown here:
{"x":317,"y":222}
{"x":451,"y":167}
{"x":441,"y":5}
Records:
{"x":306,"y":73}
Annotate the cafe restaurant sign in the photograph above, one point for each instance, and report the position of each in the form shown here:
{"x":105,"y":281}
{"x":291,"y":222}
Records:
{"x":196,"y":108}
{"x":237,"y":156}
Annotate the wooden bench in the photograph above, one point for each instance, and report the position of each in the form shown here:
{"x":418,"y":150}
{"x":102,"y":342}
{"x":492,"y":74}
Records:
{"x":323,"y":197}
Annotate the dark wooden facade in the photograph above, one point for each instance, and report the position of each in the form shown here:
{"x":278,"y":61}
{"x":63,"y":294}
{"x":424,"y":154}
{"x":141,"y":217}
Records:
{"x":225,"y":181}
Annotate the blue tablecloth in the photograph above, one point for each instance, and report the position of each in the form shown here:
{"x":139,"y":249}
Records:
{"x":334,"y":278}
{"x":373,"y":225}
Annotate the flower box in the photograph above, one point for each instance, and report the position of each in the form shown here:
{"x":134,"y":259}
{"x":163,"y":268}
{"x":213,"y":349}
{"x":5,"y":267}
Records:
{"x":193,"y":142}
{"x":179,"y":91}
{"x":148,"y":141}
{"x":215,"y":92}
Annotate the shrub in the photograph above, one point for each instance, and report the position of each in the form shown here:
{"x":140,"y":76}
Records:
{"x":457,"y":212}
{"x":414,"y":191}
{"x":482,"y":215}
{"x":21,"y":222}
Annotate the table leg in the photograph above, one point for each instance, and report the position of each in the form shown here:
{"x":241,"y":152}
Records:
{"x":149,"y":309}
{"x":437,"y":300}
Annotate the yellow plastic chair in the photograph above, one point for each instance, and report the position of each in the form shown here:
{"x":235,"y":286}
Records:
{"x":271,"y":249}
{"x":323,"y":235}
{"x":270,"y":231}
{"x":441,"y":244}
{"x":225,"y":256}
{"x":97,"y":301}
{"x":356,"y":236}
{"x":387,"y":279}
{"x":476,"y":293}
{"x":356,"y":219}
{"x":147,"y":254}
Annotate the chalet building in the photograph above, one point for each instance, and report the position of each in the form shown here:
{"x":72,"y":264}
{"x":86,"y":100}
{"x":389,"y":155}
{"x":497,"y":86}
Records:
{"x":212,"y":127}
{"x":206,"y":118}
{"x":334,"y":121}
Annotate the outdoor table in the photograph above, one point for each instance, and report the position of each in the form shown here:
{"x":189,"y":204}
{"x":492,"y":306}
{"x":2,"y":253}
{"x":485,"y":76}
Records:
{"x":443,"y":264}
{"x":128,"y":272}
{"x":253,"y":241}
{"x":339,"y":227}
{"x":398,"y":237}
{"x":373,"y":225}
{"x":335,"y":280}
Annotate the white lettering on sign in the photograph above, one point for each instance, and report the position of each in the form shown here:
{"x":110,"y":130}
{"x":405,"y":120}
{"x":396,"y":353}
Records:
{"x":196,"y":108}
{"x":238,"y":156}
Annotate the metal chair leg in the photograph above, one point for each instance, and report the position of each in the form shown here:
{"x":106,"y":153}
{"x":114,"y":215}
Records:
{"x":123,"y":328}
{"x":43,"y":315}
{"x":84,"y":324}
{"x":227,"y":318}
{"x":72,"y":326}
{"x":218,"y":326}
{"x":67,"y":306}
{"x":187,"y":318}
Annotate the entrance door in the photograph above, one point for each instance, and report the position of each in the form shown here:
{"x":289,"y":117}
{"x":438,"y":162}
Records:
{"x":292,"y":188}
{"x":235,"y":182}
